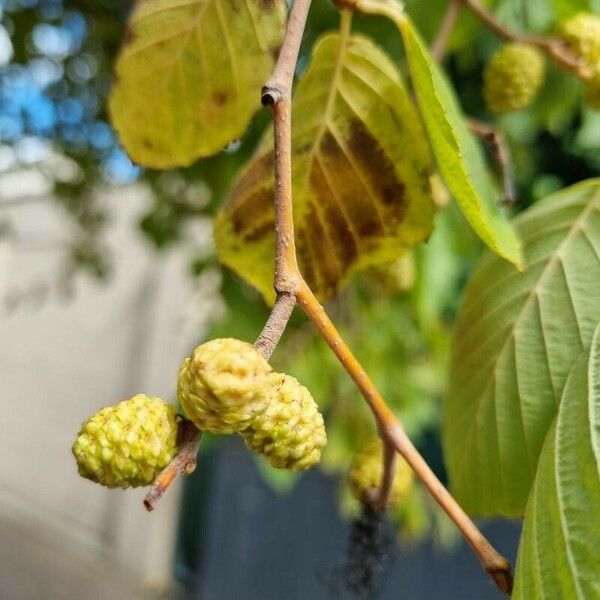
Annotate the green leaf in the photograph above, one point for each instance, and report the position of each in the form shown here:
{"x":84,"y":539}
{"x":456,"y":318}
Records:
{"x":558,"y":554}
{"x":189,"y":76}
{"x":458,"y":156}
{"x":563,"y":9}
{"x":517,"y":337}
{"x":361,"y":172}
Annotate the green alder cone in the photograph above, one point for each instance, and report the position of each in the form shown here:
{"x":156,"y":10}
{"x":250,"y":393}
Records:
{"x":290,"y":432}
{"x":366,"y":471}
{"x":127,"y":445}
{"x":513,"y":77}
{"x":582,"y":34}
{"x":222,"y":385}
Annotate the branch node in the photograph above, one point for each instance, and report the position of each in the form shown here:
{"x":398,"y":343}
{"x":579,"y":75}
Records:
{"x":270,"y":96}
{"x":502,"y":577}
{"x":184,"y":462}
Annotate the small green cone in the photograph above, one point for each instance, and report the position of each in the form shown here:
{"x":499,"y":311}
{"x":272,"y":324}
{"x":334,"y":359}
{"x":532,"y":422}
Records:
{"x":127,"y":445}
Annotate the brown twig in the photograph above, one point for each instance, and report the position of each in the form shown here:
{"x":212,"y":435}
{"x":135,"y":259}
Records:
{"x":440,"y":42}
{"x":276,"y":323}
{"x":288,"y":281}
{"x":497,"y":144}
{"x":389,"y":470}
{"x":393,"y":433}
{"x":185,"y":463}
{"x":554,"y":47}
{"x":277,"y":93}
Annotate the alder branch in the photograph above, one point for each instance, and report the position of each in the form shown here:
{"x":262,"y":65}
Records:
{"x":288,"y":281}
{"x":392,"y":433}
{"x":440,"y":42}
{"x":276,"y":323}
{"x":497,"y":145}
{"x":277,"y":93}
{"x":188,"y":442}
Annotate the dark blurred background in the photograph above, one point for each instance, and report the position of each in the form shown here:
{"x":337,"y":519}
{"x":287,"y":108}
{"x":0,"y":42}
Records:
{"x":108,"y":277}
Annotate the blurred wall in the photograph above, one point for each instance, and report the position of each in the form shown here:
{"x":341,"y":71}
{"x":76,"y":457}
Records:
{"x":61,"y":360}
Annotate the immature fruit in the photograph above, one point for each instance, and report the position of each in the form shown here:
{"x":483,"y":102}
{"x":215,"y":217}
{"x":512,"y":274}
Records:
{"x":290,"y":432}
{"x":366,"y":470}
{"x":582,"y":34}
{"x":221,"y":387}
{"x":513,"y":77}
{"x":127,"y":445}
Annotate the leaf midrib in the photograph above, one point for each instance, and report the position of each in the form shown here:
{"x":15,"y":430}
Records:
{"x":576,"y":227}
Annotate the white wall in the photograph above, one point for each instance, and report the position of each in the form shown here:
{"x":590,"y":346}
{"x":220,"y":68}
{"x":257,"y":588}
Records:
{"x":62,"y":361}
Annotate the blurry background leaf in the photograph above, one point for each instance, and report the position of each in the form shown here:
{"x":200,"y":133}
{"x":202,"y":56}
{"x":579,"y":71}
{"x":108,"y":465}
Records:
{"x":517,"y":337}
{"x":359,"y":198}
{"x":558,"y":553}
{"x":188,"y":75}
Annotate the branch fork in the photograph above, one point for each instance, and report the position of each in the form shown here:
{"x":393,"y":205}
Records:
{"x":291,"y":289}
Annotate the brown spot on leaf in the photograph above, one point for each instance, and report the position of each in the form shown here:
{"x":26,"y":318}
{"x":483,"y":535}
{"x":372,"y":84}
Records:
{"x":378,"y":169}
{"x":252,"y":211}
{"x":338,"y":226}
{"x":349,"y":188}
{"x":318,"y":239}
{"x":259,"y":232}
{"x":219,"y":97}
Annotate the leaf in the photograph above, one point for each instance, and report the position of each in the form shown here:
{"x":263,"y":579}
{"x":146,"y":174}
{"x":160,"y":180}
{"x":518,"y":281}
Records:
{"x":563,"y":9}
{"x":360,"y":174}
{"x":517,"y":336}
{"x":559,"y":552}
{"x":458,"y":156}
{"x":189,"y":76}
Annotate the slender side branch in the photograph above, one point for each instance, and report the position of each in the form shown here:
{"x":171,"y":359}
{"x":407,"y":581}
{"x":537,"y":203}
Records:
{"x":185,"y":463}
{"x":497,"y":144}
{"x":440,"y":43}
{"x":392,"y":433}
{"x":276,"y":323}
{"x":389,"y":471}
{"x":554,"y":47}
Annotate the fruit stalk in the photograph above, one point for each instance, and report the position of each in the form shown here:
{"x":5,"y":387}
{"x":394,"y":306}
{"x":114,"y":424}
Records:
{"x":185,"y":463}
{"x":555,"y":48}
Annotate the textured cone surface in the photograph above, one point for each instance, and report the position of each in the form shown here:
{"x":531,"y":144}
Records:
{"x":513,"y":77}
{"x":366,"y":471}
{"x":127,"y":445}
{"x":582,"y":34}
{"x":290,"y":432}
{"x":221,"y":387}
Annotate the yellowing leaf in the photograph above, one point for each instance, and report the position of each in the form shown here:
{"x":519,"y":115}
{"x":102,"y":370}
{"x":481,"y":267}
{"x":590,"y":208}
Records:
{"x":458,"y":156}
{"x":361,"y":173}
{"x":189,"y":76}
{"x":517,"y":337}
